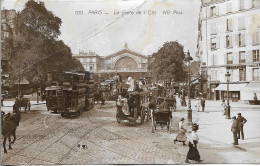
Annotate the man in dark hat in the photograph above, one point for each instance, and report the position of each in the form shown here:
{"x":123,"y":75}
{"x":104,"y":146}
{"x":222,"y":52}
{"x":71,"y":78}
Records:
{"x":234,"y":129}
{"x":241,"y":121}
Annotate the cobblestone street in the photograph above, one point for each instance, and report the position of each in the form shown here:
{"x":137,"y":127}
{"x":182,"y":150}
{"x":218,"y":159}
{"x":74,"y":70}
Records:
{"x":44,"y":138}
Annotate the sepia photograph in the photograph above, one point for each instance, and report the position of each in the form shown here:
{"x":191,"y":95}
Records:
{"x":130,"y":82}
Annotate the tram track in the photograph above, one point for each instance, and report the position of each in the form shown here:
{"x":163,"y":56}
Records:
{"x":83,"y":137}
{"x":33,"y":142}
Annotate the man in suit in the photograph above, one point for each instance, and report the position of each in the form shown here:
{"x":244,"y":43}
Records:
{"x":241,"y":121}
{"x":202,"y":104}
{"x":234,"y":129}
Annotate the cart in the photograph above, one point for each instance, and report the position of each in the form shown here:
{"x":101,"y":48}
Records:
{"x":23,"y":102}
{"x":129,"y":108}
{"x":161,"y":116}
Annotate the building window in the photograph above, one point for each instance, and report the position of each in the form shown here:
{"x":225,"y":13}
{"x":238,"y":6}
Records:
{"x":229,"y":25}
{"x":213,"y":11}
{"x":242,"y":57}
{"x":229,"y":7}
{"x":228,"y":41}
{"x":241,"y":23}
{"x":255,"y":55}
{"x":241,"y":4}
{"x":255,"y":3}
{"x":241,"y":39}
{"x":90,"y":67}
{"x":256,"y":74}
{"x":229,"y":58}
{"x":242,"y":74}
{"x":213,"y":28}
{"x":213,"y":43}
{"x":255,"y":38}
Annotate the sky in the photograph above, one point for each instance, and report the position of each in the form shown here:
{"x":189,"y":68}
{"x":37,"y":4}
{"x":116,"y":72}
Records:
{"x":104,"y":26}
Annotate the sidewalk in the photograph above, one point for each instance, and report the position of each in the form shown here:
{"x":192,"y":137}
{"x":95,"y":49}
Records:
{"x":216,"y":136}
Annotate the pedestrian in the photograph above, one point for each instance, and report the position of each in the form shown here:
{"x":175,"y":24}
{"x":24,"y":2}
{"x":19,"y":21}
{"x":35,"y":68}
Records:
{"x":130,"y":82}
{"x":240,"y":121}
{"x":2,"y":101}
{"x":193,"y":153}
{"x":198,"y":105}
{"x":179,"y":92}
{"x":223,"y":104}
{"x":181,"y":137}
{"x":202,"y":103}
{"x":234,"y":129}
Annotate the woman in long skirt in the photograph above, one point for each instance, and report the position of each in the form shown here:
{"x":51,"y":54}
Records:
{"x":193,"y":153}
{"x":181,"y":137}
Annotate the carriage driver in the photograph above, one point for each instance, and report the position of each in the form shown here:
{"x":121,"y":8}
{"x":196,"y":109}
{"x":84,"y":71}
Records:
{"x":164,"y":106}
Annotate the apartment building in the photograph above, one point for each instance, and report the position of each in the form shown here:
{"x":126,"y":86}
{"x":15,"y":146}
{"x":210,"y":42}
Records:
{"x":228,"y":40}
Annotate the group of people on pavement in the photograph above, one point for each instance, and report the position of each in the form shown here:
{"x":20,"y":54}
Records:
{"x":237,"y":127}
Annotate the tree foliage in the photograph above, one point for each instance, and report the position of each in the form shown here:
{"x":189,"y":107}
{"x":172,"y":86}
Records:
{"x":37,"y":49}
{"x":168,"y":62}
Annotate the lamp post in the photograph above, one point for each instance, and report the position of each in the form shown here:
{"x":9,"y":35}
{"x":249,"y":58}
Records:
{"x":187,"y":59}
{"x":228,"y":106}
{"x":18,"y":95}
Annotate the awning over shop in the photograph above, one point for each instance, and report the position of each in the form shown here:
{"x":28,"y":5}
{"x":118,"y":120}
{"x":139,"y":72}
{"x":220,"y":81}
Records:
{"x":232,"y":87}
{"x":252,"y":87}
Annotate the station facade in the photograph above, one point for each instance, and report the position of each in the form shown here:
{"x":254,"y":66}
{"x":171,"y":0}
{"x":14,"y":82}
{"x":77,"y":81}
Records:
{"x":125,"y":61}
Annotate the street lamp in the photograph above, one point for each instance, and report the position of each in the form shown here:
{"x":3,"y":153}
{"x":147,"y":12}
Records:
{"x":228,"y":106}
{"x":187,"y":59}
{"x":18,"y":96}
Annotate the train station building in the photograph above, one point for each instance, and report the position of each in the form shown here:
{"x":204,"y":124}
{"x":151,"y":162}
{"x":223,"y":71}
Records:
{"x":125,"y":61}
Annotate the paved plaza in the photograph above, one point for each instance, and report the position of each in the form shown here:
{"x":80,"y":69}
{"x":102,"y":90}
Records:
{"x":45,"y":138}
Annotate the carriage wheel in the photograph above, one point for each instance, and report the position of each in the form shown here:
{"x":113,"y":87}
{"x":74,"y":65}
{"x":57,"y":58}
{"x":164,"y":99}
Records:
{"x":148,"y":114}
{"x":153,"y":126}
{"x":169,"y":125}
{"x":142,"y":116}
{"x":117,"y":117}
{"x":29,"y":106}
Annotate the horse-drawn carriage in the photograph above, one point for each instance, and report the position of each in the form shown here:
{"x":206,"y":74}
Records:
{"x":132,"y":105}
{"x":23,"y":102}
{"x":162,"y":115}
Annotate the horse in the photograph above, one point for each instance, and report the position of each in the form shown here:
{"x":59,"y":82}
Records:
{"x":9,"y":128}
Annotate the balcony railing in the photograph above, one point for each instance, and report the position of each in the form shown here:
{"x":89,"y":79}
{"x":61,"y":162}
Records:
{"x":230,"y":62}
{"x":242,"y":61}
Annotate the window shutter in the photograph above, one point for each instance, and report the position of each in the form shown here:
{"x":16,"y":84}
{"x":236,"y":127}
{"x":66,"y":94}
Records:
{"x":209,"y":44}
{"x":243,"y":42}
{"x":224,"y":42}
{"x":231,"y":41}
{"x":217,"y":10}
{"x":249,"y":57}
{"x":253,"y":39}
{"x":217,"y":42}
{"x":231,"y":24}
{"x":236,"y":40}
{"x":208,"y":11}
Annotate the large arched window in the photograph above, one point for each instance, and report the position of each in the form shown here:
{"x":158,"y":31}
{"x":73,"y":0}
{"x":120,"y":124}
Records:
{"x":126,"y":63}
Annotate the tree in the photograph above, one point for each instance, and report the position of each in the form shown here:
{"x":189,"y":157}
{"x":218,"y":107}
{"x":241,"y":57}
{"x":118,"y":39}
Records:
{"x":36,"y":44}
{"x":168,"y":62}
